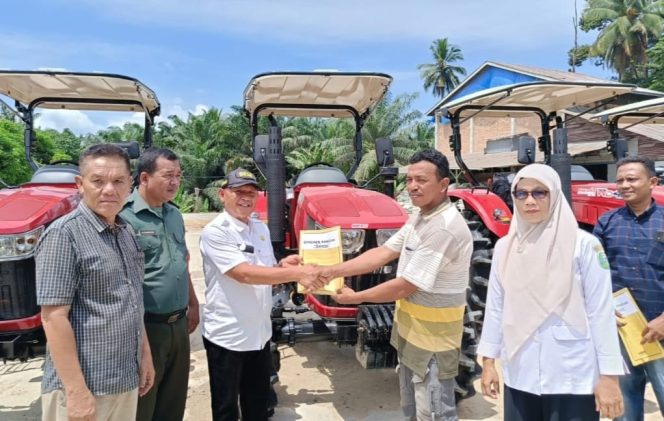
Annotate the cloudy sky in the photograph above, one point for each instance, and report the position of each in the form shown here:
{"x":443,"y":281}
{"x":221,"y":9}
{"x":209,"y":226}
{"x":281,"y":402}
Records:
{"x":198,"y":54}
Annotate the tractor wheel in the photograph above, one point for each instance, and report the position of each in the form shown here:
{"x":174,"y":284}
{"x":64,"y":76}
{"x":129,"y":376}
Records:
{"x":480,"y":267}
{"x":469,"y":369}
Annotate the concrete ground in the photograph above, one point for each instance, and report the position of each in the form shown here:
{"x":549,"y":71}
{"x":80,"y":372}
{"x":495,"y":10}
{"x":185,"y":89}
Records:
{"x":318,"y":380}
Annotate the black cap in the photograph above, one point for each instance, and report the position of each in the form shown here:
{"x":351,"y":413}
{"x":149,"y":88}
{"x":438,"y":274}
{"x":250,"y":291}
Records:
{"x":239,"y":177}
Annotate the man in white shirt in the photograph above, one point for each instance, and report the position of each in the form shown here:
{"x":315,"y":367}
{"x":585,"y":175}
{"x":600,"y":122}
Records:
{"x":238,"y":263}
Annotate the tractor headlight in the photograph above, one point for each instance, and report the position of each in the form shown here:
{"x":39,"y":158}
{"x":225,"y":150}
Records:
{"x":383,"y":235}
{"x":352,"y":240}
{"x":19,"y":246}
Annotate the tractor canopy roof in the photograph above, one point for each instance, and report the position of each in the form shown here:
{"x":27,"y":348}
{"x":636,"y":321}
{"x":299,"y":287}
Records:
{"x":78,"y":91}
{"x":650,"y":111}
{"x":315,"y":94}
{"x":525,"y":98}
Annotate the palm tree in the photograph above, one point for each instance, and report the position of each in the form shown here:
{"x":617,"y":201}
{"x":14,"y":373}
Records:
{"x":627,"y":29}
{"x":392,"y":118}
{"x":442,"y":75}
{"x":204,"y":144}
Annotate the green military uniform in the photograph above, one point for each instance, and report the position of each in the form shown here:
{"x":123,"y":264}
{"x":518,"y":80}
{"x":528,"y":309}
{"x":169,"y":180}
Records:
{"x":160,"y":234}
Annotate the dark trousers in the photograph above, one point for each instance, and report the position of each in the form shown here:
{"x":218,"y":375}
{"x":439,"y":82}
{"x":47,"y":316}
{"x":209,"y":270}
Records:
{"x":524,"y":406}
{"x":169,"y":343}
{"x":236,"y":374}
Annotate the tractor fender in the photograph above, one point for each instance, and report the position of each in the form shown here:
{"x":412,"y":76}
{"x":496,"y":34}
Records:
{"x":490,"y":208}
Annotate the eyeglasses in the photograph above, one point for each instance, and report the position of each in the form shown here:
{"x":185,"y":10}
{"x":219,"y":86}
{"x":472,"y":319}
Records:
{"x":536,"y":194}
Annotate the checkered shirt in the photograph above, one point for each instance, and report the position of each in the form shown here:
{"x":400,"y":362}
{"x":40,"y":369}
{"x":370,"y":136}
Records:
{"x":83,"y":262}
{"x":636,"y":254}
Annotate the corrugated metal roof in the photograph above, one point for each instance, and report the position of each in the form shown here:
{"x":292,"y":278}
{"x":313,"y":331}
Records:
{"x":530,"y":71}
{"x":550,"y":74}
{"x":535,"y":72}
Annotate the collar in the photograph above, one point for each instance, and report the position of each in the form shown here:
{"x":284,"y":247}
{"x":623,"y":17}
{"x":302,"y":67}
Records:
{"x":437,"y":210}
{"x":648,"y":212}
{"x":98,"y":222}
{"x":138,"y":204}
{"x":238,"y":225}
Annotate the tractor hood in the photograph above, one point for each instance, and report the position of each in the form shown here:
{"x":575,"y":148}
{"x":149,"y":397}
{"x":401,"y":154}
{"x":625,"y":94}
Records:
{"x":349,"y":207}
{"x":31,"y":206}
{"x":591,"y":199}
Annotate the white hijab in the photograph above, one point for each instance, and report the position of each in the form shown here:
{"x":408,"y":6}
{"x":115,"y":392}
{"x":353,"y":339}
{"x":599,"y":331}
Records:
{"x":537,"y":268}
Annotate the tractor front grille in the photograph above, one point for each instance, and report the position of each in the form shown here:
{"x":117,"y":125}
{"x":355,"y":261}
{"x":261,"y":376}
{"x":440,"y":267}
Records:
{"x":18,"y":297}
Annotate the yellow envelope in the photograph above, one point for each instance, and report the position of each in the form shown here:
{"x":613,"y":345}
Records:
{"x":322,"y":247}
{"x":632,"y":333}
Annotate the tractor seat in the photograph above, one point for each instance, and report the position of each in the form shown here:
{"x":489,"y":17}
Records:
{"x":321,"y":174}
{"x":56,"y":174}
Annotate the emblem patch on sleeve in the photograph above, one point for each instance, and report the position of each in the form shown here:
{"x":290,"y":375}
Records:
{"x":601,"y":257}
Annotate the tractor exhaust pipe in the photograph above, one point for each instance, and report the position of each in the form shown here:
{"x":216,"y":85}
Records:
{"x":276,"y":175}
{"x":561,"y":161}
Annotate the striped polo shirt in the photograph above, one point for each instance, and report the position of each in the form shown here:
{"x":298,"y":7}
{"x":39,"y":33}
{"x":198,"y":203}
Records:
{"x":435,"y":251}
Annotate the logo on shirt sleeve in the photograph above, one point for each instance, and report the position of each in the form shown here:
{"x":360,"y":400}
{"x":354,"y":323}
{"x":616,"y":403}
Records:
{"x":601,"y":257}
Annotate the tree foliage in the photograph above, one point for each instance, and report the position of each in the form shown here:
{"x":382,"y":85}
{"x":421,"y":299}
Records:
{"x":213,"y":142}
{"x":443,"y":75}
{"x":627,"y":28}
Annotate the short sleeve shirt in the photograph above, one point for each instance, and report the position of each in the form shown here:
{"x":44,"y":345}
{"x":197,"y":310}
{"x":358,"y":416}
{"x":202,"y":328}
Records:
{"x":236,"y":316}
{"x":435,"y":251}
{"x":160,"y":234}
{"x":97,"y":270}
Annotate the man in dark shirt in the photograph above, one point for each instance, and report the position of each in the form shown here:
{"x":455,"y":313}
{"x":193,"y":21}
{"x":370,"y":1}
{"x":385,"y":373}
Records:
{"x":633,"y":238}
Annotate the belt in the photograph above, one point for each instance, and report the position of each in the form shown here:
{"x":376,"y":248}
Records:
{"x":165,"y":318}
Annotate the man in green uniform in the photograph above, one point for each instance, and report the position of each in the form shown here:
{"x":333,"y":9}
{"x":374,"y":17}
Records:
{"x":171,"y":307}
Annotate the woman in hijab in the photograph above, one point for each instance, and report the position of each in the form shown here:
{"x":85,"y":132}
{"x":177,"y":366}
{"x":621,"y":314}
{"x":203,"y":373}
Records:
{"x":550,"y":313}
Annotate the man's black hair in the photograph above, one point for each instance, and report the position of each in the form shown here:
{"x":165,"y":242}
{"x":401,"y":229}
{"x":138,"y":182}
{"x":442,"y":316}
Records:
{"x":436,"y":158}
{"x":103,"y":150}
{"x":148,"y":160}
{"x":647,"y":163}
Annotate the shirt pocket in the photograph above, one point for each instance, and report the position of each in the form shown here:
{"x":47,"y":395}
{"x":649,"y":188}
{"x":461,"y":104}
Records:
{"x":265,"y":257}
{"x":575,"y":353}
{"x":151,"y":247}
{"x":180,"y":245}
{"x":566,"y":333}
{"x":656,"y":254}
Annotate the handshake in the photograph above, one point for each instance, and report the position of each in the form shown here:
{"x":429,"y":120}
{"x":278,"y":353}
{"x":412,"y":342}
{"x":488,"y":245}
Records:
{"x":313,"y":277}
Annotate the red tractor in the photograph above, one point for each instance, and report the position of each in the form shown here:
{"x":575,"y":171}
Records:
{"x":323,"y":196}
{"x":590,"y":200}
{"x":26,"y":210}
{"x":488,"y":216}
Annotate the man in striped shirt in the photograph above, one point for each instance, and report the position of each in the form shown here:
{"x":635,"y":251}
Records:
{"x":434,"y":250}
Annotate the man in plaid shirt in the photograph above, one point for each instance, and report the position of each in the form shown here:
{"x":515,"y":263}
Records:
{"x":89,"y":284}
{"x":633,"y":238}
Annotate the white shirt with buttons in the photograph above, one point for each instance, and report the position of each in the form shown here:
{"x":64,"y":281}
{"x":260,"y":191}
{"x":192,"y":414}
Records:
{"x":236,"y":316}
{"x":557,"y":359}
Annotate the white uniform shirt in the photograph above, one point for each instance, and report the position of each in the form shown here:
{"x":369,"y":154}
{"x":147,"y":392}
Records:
{"x":558,"y":359}
{"x":236,"y":316}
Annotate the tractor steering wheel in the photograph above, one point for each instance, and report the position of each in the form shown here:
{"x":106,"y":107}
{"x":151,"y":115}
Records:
{"x":64,"y":161}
